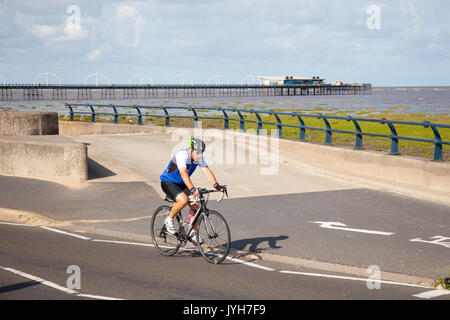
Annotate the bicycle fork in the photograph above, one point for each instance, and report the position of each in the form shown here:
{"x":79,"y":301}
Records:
{"x":209,"y":226}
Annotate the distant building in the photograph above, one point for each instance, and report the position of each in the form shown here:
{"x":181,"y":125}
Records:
{"x":290,"y":80}
{"x":337,"y":83}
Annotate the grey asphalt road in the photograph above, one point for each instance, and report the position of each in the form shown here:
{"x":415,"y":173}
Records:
{"x":279,"y":224}
{"x":296,"y":215}
{"x":128,"y":271}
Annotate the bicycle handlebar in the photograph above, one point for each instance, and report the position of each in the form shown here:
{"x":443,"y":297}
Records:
{"x":205,"y":191}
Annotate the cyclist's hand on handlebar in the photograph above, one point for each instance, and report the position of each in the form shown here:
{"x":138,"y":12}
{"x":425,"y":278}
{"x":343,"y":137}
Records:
{"x":220,"y":187}
{"x":194,"y":192}
{"x":193,"y":197}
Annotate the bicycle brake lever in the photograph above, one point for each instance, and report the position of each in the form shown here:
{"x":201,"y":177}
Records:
{"x":223,"y":194}
{"x":191,"y":202}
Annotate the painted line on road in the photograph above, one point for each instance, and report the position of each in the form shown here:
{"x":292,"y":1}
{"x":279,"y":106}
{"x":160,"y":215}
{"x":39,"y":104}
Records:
{"x":432,"y":294}
{"x":187,"y":249}
{"x":55,"y":285}
{"x":125,"y":242}
{"x":92,"y":296}
{"x":344,"y":227}
{"x":353,"y":278}
{"x":250,"y":264}
{"x":40,"y":280}
{"x":18,"y":224}
{"x":66,"y":233}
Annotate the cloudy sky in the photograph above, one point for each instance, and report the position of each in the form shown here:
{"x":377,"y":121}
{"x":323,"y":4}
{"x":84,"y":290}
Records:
{"x":386,"y":43}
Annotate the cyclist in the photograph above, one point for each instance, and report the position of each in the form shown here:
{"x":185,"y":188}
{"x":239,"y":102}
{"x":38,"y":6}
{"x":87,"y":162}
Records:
{"x":177,"y":184}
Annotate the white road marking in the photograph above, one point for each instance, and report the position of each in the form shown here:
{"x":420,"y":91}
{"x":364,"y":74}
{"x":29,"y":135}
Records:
{"x":66,"y":233}
{"x":342,"y":226}
{"x":353,"y":278}
{"x":18,"y":224}
{"x":125,"y":242}
{"x":440,"y":240}
{"x":56,"y":286}
{"x":40,"y":280}
{"x":96,"y":297}
{"x":432,"y":294}
{"x":187,"y":249}
{"x":250,"y":264}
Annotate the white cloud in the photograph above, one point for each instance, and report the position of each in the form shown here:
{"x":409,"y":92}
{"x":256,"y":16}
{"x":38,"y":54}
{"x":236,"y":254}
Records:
{"x":125,"y":11}
{"x":57,"y":33}
{"x":72,"y":34}
{"x":130,"y":25}
{"x":95,"y":55}
{"x":45,"y":31}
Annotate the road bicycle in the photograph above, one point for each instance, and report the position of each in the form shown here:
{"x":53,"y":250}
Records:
{"x":212,"y":229}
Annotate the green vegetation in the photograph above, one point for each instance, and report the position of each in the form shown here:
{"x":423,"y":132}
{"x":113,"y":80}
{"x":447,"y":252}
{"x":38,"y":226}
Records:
{"x":441,"y":283}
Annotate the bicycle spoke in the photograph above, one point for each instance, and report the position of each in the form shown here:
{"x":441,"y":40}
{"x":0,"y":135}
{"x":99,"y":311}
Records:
{"x":165,"y":243}
{"x":214,"y":231}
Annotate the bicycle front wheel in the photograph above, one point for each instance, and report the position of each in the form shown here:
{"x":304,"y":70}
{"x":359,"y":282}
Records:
{"x":214,"y":231}
{"x":167,"y":244}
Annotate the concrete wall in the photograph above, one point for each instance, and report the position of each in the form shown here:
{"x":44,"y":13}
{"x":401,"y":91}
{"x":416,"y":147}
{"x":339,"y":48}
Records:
{"x":30,"y":146}
{"x":26,"y":123}
{"x":412,"y":176}
{"x":43,"y":156}
{"x":400,"y":172}
{"x":77,"y":128}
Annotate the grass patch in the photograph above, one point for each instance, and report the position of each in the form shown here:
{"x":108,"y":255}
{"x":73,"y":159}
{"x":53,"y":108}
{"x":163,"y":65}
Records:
{"x":443,"y":283}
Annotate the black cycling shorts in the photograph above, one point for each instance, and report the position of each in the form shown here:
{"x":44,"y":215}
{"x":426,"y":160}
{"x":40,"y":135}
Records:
{"x":172,"y":190}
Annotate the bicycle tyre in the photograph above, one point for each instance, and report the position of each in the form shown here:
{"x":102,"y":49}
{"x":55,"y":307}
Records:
{"x":217,"y":244}
{"x":165,"y":243}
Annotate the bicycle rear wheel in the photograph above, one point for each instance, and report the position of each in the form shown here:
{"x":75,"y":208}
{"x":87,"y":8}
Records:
{"x":214,"y":231}
{"x":167,"y":244}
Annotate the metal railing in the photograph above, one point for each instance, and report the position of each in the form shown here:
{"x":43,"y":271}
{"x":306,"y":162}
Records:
{"x":394,"y":137}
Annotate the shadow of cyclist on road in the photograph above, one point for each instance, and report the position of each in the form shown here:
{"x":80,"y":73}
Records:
{"x":257,"y":244}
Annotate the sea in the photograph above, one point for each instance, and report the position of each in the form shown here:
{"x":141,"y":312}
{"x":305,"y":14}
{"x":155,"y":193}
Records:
{"x":382,"y":100}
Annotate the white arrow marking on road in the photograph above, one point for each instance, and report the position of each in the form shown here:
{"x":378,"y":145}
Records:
{"x":432,"y":294}
{"x":440,"y":240}
{"x":341,"y":226}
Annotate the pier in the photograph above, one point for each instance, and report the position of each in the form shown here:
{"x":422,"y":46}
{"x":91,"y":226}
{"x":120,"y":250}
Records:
{"x":27,"y":92}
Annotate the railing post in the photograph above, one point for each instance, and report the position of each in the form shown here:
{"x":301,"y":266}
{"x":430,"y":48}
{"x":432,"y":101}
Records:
{"x":437,"y":141}
{"x":167,"y":124}
{"x":241,"y":121}
{"x":279,"y":127}
{"x":394,"y":137}
{"x":225,"y":119}
{"x":139,"y":115}
{"x":92,"y":113}
{"x":259,"y":128}
{"x":195,"y":116}
{"x":71,"y":111}
{"x":302,"y":133}
{"x":328,"y":137}
{"x":116,"y":115}
{"x":359,"y":137}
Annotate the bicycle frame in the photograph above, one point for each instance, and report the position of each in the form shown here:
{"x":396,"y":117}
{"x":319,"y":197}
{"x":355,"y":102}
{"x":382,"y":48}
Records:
{"x":182,"y":236}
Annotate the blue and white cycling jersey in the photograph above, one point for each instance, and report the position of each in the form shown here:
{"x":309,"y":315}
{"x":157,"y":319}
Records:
{"x":181,"y":159}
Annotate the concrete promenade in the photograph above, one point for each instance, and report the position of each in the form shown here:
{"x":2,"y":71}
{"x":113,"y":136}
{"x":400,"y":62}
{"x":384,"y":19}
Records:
{"x":295,"y":212}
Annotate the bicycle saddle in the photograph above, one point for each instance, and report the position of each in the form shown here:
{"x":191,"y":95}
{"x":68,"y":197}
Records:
{"x":169,"y":199}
